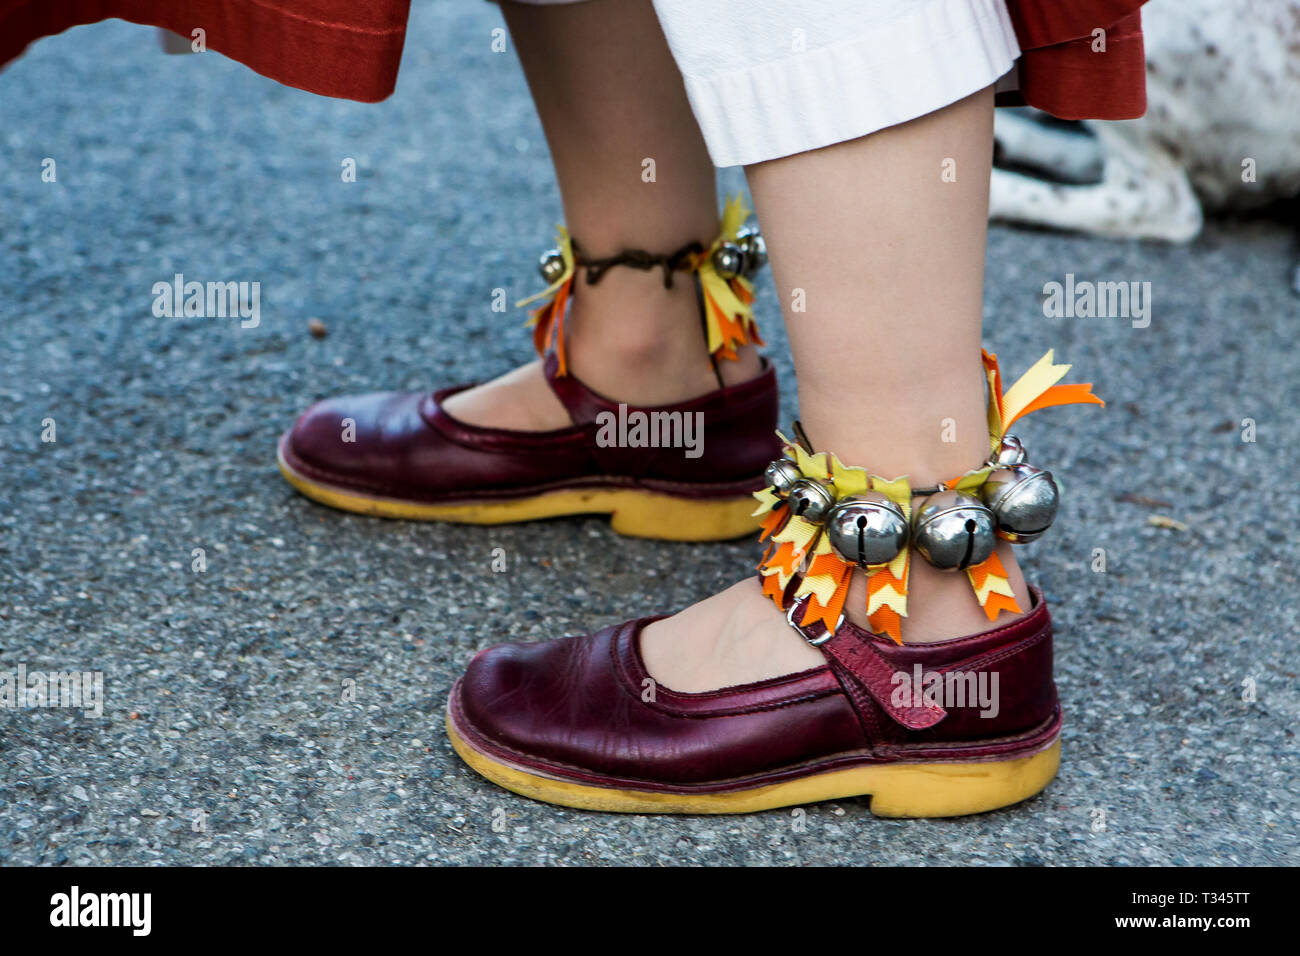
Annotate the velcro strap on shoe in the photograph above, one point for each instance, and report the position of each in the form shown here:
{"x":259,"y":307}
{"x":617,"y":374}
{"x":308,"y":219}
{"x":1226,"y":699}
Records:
{"x":852,"y":657}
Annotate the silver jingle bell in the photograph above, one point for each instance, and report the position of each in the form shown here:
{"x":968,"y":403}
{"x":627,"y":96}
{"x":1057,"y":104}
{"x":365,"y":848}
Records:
{"x":810,"y":500}
{"x":1010,"y":452}
{"x":755,"y":249}
{"x":551,"y":266}
{"x":953,"y":531}
{"x":867,"y":529}
{"x":1023,"y":500}
{"x":781,"y":476}
{"x":728,"y":260}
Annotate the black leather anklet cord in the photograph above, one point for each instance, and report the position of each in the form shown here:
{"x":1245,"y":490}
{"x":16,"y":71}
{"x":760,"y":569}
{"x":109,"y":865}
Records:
{"x":678,"y":261}
{"x":640,"y":259}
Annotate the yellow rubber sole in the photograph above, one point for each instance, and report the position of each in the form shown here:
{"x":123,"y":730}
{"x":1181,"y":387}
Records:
{"x":635,"y":513}
{"x":896,"y":790}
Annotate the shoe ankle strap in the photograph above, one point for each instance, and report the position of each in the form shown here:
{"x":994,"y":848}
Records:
{"x":860,"y":667}
{"x":871,"y":670}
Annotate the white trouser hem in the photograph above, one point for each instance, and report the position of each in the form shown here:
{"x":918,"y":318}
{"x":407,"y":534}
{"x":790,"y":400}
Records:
{"x":908,"y":66}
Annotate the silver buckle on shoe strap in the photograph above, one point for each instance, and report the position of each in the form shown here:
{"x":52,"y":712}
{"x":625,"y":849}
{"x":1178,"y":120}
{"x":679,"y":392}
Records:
{"x":814,"y":641}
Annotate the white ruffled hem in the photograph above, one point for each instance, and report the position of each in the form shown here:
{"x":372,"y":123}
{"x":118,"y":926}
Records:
{"x":898,"y":70}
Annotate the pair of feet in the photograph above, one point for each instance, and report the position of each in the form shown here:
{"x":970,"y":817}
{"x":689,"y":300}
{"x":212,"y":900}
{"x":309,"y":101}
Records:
{"x":724,"y":706}
{"x":736,"y":636}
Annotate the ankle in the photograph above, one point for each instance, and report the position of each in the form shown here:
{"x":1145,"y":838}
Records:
{"x":928,"y":434}
{"x":632,"y":340}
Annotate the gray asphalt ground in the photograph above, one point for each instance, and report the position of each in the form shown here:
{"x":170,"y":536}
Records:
{"x":224,"y":737}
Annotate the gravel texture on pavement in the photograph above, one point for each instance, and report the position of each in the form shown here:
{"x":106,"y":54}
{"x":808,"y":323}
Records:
{"x":226,"y":737}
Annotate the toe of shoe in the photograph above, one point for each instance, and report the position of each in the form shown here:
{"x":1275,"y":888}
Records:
{"x":549,"y":700}
{"x":359,"y":441}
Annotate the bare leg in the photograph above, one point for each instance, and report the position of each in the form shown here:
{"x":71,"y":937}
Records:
{"x":610,"y":97}
{"x":890,"y":261}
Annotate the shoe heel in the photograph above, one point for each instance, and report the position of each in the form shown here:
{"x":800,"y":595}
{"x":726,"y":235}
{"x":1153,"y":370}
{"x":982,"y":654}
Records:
{"x":648,"y":515}
{"x":956,"y":789}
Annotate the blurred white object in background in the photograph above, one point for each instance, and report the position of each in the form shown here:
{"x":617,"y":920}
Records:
{"x":1221,"y":133}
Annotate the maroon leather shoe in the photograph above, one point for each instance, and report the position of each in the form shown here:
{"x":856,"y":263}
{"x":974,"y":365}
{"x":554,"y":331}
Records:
{"x":927,"y":730}
{"x":400,"y":455}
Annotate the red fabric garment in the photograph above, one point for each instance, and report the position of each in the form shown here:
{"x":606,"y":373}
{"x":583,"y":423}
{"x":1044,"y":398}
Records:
{"x":332,"y":47}
{"x":1061,"y":73}
{"x":350,"y":49}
